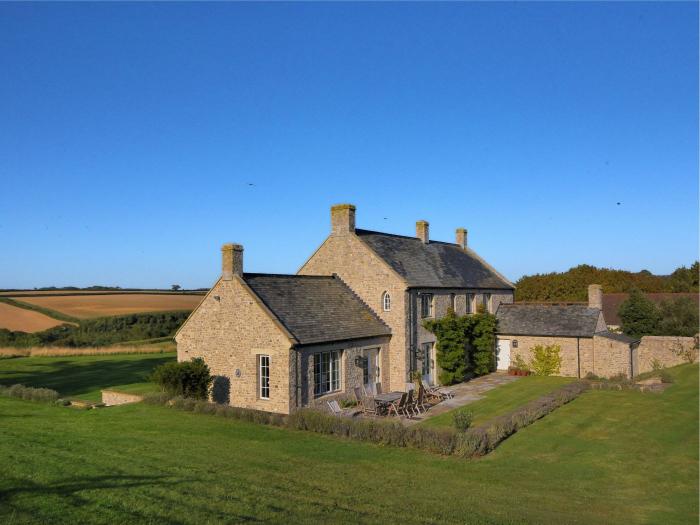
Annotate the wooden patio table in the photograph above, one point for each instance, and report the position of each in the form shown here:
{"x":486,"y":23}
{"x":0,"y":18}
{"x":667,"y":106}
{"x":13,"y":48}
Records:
{"x":385,"y":400}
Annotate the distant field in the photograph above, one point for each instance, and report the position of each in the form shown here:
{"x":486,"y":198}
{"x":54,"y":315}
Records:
{"x":22,"y":320}
{"x":17,"y":293}
{"x":99,"y":305}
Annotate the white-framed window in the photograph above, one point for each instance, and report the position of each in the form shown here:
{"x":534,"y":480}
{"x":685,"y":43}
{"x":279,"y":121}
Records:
{"x":386,"y":301}
{"x":326,"y":372}
{"x":487,"y":302}
{"x":264,"y":376}
{"x":426,"y":305}
{"x":470,"y":303}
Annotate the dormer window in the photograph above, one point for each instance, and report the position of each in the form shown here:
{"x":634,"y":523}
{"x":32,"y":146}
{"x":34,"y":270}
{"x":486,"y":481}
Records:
{"x":386,"y":301}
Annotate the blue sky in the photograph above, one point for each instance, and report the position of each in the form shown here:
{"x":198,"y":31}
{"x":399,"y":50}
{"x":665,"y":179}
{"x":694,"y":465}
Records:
{"x":129,"y":134}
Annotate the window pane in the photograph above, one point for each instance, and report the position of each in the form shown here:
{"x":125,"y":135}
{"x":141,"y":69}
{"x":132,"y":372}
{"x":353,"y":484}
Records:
{"x":264,"y":376}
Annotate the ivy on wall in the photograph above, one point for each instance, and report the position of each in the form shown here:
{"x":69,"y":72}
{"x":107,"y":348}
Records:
{"x":465,"y":345}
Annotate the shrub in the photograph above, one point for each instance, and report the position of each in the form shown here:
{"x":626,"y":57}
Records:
{"x":28,"y":393}
{"x":347,"y":403}
{"x":546,"y":360}
{"x":463,"y":419}
{"x":189,"y":379}
{"x":520,"y":364}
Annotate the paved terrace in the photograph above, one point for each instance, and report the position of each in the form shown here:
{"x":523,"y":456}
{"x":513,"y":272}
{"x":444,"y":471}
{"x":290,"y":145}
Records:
{"x":465,"y":393}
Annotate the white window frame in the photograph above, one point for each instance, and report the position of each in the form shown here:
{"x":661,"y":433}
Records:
{"x":426,"y":298}
{"x":386,"y":301}
{"x":264,"y":376}
{"x":327,"y":372}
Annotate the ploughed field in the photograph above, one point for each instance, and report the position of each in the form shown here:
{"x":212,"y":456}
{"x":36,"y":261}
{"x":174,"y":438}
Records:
{"x":85,"y":306}
{"x":606,"y":457}
{"x":23,"y":320}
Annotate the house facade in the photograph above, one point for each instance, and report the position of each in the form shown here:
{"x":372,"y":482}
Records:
{"x":352,"y":316}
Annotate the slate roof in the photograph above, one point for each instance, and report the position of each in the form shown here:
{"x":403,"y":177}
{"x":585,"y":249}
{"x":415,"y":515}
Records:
{"x":572,"y":320}
{"x":316,"y":309}
{"x":433,"y":265}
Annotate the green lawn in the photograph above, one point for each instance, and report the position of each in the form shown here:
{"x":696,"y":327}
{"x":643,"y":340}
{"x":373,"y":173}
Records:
{"x":502,"y":399}
{"x":607,"y":457}
{"x":83,"y":377}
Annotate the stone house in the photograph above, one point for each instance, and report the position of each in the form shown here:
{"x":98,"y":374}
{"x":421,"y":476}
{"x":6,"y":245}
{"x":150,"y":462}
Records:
{"x":405,"y":280}
{"x":352,"y":316}
{"x":579,"y":330}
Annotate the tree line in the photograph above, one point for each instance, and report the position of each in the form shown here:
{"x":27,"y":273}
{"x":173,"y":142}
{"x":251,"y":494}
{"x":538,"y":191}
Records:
{"x":572,"y":285}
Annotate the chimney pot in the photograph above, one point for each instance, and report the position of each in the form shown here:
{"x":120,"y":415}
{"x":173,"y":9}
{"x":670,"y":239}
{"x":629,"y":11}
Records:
{"x":342,"y":219}
{"x":231,"y":261}
{"x":595,"y":296}
{"x":423,"y":231}
{"x":462,"y":238}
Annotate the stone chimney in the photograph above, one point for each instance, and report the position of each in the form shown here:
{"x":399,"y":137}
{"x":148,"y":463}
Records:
{"x":342,"y":219}
{"x":462,"y":238}
{"x":231,"y":261}
{"x":595,"y":296}
{"x":423,"y":231}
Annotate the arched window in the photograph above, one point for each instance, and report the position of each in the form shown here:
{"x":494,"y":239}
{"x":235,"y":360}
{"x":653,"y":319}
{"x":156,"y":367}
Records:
{"x":386,"y":301}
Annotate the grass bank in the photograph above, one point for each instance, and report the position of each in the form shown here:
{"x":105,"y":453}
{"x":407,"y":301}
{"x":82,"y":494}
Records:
{"x":501,"y":400}
{"x":84,"y":376}
{"x":608,"y":457}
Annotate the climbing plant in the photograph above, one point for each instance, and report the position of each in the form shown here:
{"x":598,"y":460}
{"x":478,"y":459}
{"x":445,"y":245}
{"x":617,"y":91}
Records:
{"x":464,"y":344}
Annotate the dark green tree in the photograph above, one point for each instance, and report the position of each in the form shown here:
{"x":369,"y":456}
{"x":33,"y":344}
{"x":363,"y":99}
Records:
{"x":639,"y":315}
{"x":678,"y":317}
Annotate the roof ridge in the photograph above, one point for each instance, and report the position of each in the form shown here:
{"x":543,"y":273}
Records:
{"x":430,"y":241}
{"x":258,"y":274}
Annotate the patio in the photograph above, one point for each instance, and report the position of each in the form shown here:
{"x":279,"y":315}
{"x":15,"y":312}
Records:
{"x":436,"y":400}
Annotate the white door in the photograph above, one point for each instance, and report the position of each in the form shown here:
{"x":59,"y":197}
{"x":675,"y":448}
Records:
{"x":503,"y":354}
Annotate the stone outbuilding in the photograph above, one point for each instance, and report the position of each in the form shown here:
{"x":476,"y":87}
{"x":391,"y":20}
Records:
{"x":579,"y":330}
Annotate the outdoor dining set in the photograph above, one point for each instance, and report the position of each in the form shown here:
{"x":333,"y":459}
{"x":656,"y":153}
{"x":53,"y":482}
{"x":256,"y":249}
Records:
{"x":374,"y":402}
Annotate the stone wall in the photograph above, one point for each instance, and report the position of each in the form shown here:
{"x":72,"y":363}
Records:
{"x":611,"y":357}
{"x":369,"y":277}
{"x":571,"y":349}
{"x":230,"y":329}
{"x":112,"y":398}
{"x":667,"y":350}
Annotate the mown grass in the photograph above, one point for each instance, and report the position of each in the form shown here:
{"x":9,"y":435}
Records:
{"x":501,"y":400}
{"x":84,"y":376}
{"x":607,"y":457}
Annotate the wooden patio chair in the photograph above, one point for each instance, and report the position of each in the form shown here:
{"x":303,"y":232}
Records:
{"x":410,"y":404}
{"x":369,"y":407}
{"x":399,"y":407}
{"x":335,"y":408}
{"x":420,"y":400}
{"x":359,"y":393}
